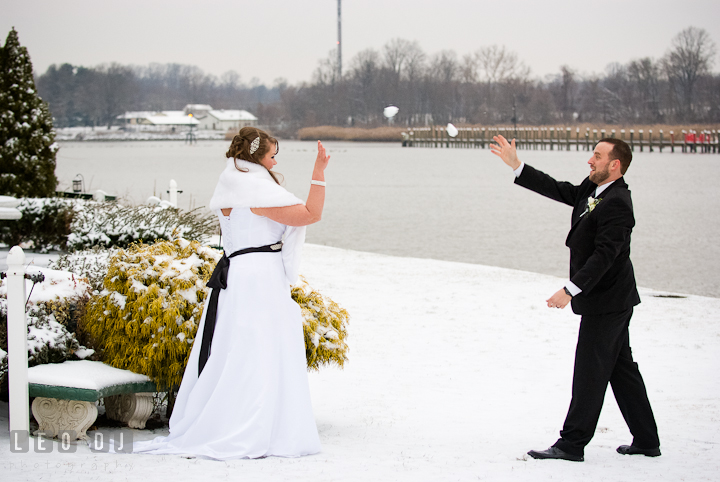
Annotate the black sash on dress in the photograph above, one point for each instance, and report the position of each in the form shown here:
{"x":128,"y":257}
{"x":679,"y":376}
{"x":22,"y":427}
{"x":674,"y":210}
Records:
{"x":218,"y":281}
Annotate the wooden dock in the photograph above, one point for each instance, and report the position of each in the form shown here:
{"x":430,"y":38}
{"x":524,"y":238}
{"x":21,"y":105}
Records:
{"x":562,"y":138}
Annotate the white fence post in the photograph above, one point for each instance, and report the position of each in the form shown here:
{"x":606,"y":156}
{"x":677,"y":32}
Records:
{"x":173,"y":193}
{"x":17,"y":342}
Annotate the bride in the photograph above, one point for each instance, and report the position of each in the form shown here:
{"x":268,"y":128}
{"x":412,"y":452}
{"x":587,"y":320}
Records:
{"x":245,"y":389}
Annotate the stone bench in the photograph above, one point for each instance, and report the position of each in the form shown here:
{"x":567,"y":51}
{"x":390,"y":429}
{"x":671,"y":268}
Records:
{"x":65,"y":396}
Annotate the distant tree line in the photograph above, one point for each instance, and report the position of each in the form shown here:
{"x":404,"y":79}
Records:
{"x":84,"y":96}
{"x":489,"y":86}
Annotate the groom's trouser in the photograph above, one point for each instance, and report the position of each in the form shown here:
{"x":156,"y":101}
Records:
{"x":603,"y":355}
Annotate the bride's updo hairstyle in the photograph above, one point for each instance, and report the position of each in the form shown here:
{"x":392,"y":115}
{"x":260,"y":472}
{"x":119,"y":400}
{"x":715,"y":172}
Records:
{"x":240,"y":148}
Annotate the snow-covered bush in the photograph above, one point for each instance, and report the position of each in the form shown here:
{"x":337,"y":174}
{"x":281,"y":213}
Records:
{"x":75,"y":224}
{"x":111,"y":224}
{"x":324,"y":324}
{"x":146,"y":317}
{"x":44,"y":226}
{"x":53,"y":312}
{"x":91,"y":264}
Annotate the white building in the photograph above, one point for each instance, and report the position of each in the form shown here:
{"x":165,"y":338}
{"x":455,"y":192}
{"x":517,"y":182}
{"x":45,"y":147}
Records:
{"x":227,"y":119}
{"x":167,"y":119}
{"x":201,"y":116}
{"x":135,"y":117}
{"x":197,"y":110}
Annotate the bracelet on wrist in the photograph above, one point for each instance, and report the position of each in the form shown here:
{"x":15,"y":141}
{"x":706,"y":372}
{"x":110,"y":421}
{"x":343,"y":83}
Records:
{"x":318,"y":183}
{"x":567,"y":291}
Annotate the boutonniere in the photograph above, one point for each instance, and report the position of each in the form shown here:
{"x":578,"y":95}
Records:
{"x":591,"y":204}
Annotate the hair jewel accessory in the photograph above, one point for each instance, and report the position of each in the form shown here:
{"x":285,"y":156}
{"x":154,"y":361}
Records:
{"x":255,"y":145}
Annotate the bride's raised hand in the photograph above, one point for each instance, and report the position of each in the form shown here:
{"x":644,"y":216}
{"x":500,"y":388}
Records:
{"x":322,"y":159}
{"x":506,"y":151}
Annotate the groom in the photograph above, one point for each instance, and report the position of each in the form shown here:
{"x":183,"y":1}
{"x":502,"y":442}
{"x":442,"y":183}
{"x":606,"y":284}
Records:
{"x":602,"y":290}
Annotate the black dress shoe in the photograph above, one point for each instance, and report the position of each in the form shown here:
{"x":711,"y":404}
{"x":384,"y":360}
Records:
{"x":555,"y":453}
{"x":633,"y":450}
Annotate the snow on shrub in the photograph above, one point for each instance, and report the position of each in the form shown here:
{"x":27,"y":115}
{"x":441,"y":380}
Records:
{"x":73,"y":224}
{"x":146,"y":317}
{"x":111,"y":224}
{"x":44,"y":226}
{"x":54,"y":309}
{"x":91,"y":264}
{"x":324,"y":324}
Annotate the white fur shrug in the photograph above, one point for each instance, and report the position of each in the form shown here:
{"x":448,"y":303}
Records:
{"x":252,"y":189}
{"x":257,"y":189}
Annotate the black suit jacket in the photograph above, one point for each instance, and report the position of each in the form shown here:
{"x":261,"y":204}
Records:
{"x":599,"y":241}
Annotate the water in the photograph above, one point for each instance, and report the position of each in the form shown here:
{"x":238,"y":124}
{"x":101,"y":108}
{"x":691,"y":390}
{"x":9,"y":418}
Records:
{"x":457,"y":204}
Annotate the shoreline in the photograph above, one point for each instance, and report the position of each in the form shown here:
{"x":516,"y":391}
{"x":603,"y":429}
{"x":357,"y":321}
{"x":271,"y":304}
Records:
{"x":42,"y":260}
{"x":170,"y":139}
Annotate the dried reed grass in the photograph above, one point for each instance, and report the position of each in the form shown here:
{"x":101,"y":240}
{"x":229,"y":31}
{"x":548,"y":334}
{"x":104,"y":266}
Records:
{"x":334,"y":133}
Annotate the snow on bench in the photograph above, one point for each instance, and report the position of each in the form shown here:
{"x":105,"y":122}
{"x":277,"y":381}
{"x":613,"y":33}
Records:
{"x":65,"y":396}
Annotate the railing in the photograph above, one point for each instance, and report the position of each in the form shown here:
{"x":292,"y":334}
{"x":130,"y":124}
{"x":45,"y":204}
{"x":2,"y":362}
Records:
{"x":19,"y":401}
{"x":563,"y":138}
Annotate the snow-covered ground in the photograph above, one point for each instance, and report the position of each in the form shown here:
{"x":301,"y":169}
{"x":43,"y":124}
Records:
{"x":456,"y":371}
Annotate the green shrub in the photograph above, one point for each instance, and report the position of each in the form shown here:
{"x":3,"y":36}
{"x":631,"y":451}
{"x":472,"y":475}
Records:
{"x":44,"y":226}
{"x":111,"y":224}
{"x":91,"y":264}
{"x":324,"y":325}
{"x":59,"y":224}
{"x":147,"y":315}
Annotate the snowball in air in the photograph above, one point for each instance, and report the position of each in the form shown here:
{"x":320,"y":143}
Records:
{"x":451,"y":130}
{"x":390,"y":111}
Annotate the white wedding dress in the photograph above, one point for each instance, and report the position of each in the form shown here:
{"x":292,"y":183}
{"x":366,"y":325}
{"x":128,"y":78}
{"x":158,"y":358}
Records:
{"x":253,"y":398}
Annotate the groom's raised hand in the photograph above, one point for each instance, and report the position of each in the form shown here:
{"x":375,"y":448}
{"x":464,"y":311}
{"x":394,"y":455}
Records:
{"x":505,"y":151}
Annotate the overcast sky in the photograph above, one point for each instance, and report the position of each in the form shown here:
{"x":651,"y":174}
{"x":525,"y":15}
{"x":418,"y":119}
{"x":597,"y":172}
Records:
{"x":272,"y":39}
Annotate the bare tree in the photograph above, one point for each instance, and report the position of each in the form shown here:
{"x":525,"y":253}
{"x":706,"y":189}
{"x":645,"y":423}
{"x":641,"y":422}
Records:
{"x":326,"y":72}
{"x":568,"y":90}
{"x":690,"y":57}
{"x":469,"y":69}
{"x":230,"y":80}
{"x":645,"y":75}
{"x":364,"y":73}
{"x":395,"y":54}
{"x":115,"y":91}
{"x":444,"y":66}
{"x":497,"y":64}
{"x":399,"y":54}
{"x":414,"y":63}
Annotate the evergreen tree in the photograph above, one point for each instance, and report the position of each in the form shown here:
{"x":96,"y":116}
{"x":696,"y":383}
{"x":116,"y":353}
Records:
{"x":27,"y":139}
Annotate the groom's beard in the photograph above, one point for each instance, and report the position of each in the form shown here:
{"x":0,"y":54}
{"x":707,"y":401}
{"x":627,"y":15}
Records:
{"x":600,"y":176}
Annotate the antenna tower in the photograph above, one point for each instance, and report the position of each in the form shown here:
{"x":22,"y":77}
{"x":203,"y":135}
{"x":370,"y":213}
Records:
{"x":339,"y":40}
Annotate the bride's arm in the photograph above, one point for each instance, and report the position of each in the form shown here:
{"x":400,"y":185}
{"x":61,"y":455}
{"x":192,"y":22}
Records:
{"x":311,"y":211}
